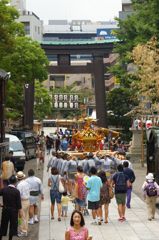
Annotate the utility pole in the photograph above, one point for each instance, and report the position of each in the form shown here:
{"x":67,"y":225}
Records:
{"x":4,"y":76}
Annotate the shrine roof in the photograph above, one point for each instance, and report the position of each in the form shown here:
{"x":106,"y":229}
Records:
{"x":78,"y":42}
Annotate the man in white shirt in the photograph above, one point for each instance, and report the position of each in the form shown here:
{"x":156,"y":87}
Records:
{"x":24,"y":189}
{"x":52,"y":162}
{"x":36,"y":190}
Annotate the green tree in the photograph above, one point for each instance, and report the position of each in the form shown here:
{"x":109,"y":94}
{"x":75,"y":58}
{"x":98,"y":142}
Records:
{"x":9,"y":29}
{"x":19,"y":55}
{"x":43,"y":101}
{"x":135,"y":29}
{"x":27,"y":63}
{"x":146,"y":57}
{"x":120,"y":101}
{"x":138,"y":27}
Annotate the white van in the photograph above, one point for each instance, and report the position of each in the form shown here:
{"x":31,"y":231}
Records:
{"x":16,"y":146}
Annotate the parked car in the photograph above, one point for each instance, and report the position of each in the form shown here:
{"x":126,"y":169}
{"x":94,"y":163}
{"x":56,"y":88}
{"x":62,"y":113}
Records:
{"x":16,"y":146}
{"x":28,"y":140}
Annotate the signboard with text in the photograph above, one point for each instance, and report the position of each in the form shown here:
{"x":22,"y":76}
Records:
{"x":106,"y":33}
{"x":65,"y":101}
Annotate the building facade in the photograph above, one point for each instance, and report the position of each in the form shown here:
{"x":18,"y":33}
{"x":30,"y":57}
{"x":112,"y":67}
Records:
{"x":126,"y":9}
{"x":32,"y":24}
{"x":20,"y":5}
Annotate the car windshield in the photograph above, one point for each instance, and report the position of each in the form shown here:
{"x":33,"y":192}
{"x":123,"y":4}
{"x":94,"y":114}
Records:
{"x":16,"y":146}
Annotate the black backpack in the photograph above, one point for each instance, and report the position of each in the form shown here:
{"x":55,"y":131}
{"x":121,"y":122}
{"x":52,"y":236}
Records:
{"x":121,"y":183}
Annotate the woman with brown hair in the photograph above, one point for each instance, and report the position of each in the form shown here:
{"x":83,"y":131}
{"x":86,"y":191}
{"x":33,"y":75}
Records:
{"x":55,"y":195}
{"x":77,"y":230}
{"x":80,"y":188}
{"x":104,"y":195}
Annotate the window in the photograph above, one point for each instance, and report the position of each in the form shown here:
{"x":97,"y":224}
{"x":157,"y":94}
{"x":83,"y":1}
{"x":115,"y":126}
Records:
{"x":26,"y":27}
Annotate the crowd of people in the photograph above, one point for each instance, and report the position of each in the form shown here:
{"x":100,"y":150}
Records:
{"x":92,"y":191}
{"x":20,"y":198}
{"x":89,"y":181}
{"x":62,"y":141}
{"x":91,"y":178}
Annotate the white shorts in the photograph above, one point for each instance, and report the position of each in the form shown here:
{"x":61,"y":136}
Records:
{"x":34,"y":200}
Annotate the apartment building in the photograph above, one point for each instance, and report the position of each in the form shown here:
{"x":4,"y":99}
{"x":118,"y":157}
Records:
{"x":126,"y":9}
{"x":32,"y":24}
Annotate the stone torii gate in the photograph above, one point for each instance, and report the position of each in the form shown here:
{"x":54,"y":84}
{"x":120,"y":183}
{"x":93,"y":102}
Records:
{"x":98,"y":49}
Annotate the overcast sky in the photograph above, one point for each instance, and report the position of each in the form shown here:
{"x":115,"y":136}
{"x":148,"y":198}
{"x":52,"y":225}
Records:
{"x":75,"y":9}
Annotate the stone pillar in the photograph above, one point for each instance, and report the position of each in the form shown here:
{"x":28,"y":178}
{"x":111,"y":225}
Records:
{"x":98,"y":70}
{"x":135,"y":150}
{"x":28,"y":105}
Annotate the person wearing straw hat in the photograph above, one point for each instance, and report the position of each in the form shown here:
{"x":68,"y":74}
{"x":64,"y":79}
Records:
{"x":24,"y":189}
{"x":150,"y":190}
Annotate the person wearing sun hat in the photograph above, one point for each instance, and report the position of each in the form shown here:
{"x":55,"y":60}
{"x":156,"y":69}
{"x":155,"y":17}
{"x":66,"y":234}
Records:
{"x":150,"y":190}
{"x":24,"y":189}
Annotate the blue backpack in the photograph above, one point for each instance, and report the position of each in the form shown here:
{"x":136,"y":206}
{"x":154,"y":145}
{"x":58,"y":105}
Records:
{"x":121,"y":183}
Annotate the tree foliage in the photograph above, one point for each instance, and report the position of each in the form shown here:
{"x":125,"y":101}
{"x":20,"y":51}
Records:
{"x":136,"y":29}
{"x":43,"y":101}
{"x":146,"y":57}
{"x":27,"y":62}
{"x":120,"y":101}
{"x":19,"y":55}
{"x":9,"y":28}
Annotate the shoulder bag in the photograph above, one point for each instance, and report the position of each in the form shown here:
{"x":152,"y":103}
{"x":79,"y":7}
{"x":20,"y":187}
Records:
{"x":61,"y":187}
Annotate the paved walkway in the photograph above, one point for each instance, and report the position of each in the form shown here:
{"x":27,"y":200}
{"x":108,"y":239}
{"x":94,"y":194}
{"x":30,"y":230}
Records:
{"x":137,"y":227}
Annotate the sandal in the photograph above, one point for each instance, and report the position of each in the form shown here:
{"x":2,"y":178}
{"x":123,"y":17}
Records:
{"x":59,"y":219}
{"x":52,"y":218}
